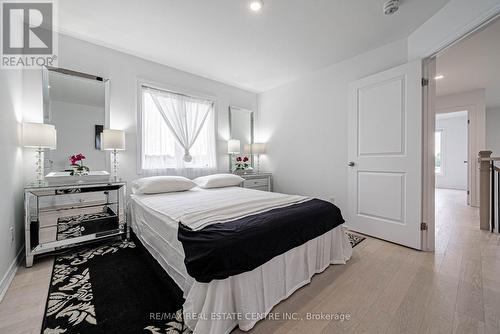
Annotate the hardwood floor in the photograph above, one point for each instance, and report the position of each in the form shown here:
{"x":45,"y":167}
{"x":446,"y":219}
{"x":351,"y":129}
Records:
{"x":385,"y":288}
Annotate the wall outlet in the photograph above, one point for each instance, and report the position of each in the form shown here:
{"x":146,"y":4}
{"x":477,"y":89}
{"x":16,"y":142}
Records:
{"x":12,"y":234}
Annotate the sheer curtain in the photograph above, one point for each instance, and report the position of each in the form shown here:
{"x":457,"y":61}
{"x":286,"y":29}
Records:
{"x":178,"y":134}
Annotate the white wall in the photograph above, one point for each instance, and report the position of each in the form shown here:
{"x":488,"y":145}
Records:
{"x":11,"y":197}
{"x":305,"y":125}
{"x":493,"y":130}
{"x":454,"y":152}
{"x":124,"y":70}
{"x":451,"y":22}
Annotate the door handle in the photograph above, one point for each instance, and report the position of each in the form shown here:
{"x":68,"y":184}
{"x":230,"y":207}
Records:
{"x":351,"y":164}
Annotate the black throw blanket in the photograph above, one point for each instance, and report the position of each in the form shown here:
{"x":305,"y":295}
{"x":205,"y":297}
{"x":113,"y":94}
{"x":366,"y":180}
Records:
{"x":226,"y":249}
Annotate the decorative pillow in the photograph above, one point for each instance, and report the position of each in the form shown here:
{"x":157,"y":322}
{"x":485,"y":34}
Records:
{"x":161,"y":184}
{"x":218,"y":181}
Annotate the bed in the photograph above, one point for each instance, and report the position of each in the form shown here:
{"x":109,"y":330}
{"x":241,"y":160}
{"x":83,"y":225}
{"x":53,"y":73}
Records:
{"x":219,"y":301}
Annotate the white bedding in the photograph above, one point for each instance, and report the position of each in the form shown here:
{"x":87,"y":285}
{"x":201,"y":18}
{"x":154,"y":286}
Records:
{"x":155,"y":219}
{"x":201,"y":207}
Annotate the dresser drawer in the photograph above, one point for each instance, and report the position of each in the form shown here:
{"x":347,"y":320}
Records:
{"x":266,"y":188}
{"x":256,"y":183}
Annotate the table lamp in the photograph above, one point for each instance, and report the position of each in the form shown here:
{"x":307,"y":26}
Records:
{"x":233,"y":147}
{"x":113,"y":140}
{"x":258,"y":149}
{"x":39,"y":136}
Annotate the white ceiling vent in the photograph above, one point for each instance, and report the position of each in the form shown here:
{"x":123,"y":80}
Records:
{"x":391,"y":6}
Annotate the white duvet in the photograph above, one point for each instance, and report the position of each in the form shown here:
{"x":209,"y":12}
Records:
{"x":198,"y":207}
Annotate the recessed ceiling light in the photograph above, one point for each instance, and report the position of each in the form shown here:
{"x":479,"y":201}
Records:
{"x":438,"y":77}
{"x":256,"y":5}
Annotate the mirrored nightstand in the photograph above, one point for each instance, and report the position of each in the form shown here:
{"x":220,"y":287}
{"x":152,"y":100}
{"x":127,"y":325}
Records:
{"x":60,"y":216}
{"x":262,"y":181}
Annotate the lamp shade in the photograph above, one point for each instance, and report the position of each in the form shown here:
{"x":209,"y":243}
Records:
{"x":39,"y":135}
{"x":233,"y":146}
{"x":113,"y":140}
{"x":259,"y":148}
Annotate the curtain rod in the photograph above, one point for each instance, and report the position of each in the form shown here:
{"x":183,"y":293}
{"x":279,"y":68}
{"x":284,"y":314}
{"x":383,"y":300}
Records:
{"x":176,"y":93}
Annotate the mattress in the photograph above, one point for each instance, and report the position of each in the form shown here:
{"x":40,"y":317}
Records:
{"x":240,"y":300}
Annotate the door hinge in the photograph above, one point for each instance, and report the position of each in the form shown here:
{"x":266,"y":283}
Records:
{"x":468,"y":192}
{"x":425,"y":82}
{"x":423,"y":226}
{"x":468,"y":121}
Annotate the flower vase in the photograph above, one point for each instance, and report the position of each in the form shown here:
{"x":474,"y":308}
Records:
{"x":239,"y":171}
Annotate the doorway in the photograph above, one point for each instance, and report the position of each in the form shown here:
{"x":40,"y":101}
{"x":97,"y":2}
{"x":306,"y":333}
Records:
{"x":451,"y":152}
{"x":463,"y":78}
{"x":451,"y":172}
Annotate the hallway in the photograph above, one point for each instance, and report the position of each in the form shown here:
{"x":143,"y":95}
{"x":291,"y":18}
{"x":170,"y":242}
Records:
{"x":454,"y":217}
{"x":471,"y":255}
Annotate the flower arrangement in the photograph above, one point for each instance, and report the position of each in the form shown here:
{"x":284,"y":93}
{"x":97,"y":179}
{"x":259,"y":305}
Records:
{"x":241,"y":164}
{"x":76,"y":162}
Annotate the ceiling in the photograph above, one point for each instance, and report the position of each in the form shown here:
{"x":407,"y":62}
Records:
{"x":225,"y":41}
{"x":472,"y":64}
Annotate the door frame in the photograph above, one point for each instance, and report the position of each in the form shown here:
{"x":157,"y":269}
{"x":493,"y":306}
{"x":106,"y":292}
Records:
{"x":428,"y":128}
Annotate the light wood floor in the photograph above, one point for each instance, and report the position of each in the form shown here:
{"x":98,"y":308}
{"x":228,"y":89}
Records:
{"x":385,"y":288}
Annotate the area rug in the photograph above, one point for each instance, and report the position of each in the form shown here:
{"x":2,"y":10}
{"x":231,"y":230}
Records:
{"x":112,"y":288}
{"x":78,"y":225}
{"x":115,"y":288}
{"x":354,"y":239}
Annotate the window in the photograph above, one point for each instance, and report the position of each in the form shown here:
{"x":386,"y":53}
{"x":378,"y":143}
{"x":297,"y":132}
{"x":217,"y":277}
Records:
{"x":178,"y":131}
{"x":438,"y":152}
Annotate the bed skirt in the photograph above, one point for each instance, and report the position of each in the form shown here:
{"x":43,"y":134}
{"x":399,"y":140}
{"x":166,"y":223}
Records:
{"x":242,"y":300}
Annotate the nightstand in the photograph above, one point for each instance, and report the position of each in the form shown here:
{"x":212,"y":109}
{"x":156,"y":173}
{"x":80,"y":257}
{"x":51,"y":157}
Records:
{"x":262,"y":181}
{"x":61,"y":216}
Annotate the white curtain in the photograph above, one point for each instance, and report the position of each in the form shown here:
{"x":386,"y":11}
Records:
{"x":178,"y":135}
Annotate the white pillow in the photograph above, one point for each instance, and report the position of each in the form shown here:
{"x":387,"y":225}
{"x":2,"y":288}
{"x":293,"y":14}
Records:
{"x":161,"y":184}
{"x":218,"y":181}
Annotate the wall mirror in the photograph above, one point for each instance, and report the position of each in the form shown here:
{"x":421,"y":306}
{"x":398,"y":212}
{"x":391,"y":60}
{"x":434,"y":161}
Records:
{"x":77,"y":105}
{"x":241,"y":127}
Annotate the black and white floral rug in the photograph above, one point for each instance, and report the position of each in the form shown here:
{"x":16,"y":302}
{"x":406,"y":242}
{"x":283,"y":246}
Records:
{"x":354,"y":239}
{"x":112,"y":288}
{"x":115,"y":288}
{"x":78,"y":225}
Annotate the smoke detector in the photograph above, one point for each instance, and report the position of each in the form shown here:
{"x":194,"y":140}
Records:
{"x":391,"y":6}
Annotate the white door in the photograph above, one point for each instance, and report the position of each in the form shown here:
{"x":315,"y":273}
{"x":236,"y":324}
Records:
{"x":384,"y":155}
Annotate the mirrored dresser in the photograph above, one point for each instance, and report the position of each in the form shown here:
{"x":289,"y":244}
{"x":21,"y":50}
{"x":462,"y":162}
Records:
{"x":67,"y":215}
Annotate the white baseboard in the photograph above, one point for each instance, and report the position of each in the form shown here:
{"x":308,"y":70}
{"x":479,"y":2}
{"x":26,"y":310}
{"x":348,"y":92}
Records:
{"x":11,"y":272}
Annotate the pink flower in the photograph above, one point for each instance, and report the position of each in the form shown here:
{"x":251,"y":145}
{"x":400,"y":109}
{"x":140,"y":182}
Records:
{"x":245,"y":159}
{"x":238,"y":159}
{"x":75,"y":158}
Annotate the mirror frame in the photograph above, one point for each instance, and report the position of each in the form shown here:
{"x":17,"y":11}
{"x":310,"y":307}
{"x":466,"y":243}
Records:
{"x":45,"y":101}
{"x":252,"y":127}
